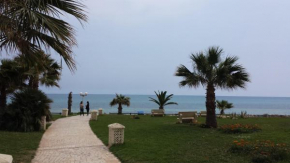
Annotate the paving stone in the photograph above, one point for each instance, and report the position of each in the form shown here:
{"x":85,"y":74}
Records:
{"x":71,"y":140}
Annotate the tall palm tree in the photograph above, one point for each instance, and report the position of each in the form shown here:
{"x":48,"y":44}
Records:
{"x":210,"y":71}
{"x":120,"y":100}
{"x":29,"y":26}
{"x":223,"y":105}
{"x":162,"y":99}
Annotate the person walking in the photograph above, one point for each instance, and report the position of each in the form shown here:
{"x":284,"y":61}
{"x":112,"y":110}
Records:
{"x":82,"y":108}
{"x":88,"y":108}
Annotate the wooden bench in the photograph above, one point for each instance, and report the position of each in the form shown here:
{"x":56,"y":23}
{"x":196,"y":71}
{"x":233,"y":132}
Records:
{"x":187,"y":117}
{"x":202,"y":113}
{"x":157,"y":112}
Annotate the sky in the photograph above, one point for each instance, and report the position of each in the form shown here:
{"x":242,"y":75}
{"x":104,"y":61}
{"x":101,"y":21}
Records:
{"x":135,"y":46}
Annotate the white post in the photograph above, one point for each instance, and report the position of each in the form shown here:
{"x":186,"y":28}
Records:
{"x":116,"y":134}
{"x":43,"y":123}
{"x":94,"y":115}
{"x":100,"y":111}
{"x":64,"y":112}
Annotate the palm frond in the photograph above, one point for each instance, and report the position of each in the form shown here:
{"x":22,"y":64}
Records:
{"x":199,"y":63}
{"x":154,"y":100}
{"x":120,"y":99}
{"x":222,"y":105}
{"x":213,"y":55}
{"x":39,"y":23}
{"x":190,"y":79}
{"x":171,"y":103}
{"x":231,"y":75}
{"x":162,"y":99}
{"x":113,"y":102}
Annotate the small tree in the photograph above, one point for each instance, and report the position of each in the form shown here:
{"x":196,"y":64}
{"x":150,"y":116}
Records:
{"x":25,"y":110}
{"x":69,"y":102}
{"x":162,"y":99}
{"x":10,"y":80}
{"x":120,"y":100}
{"x":223,"y":105}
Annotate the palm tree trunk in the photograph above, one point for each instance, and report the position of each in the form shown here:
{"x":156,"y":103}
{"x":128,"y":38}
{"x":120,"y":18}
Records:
{"x":210,"y":106}
{"x":33,"y":82}
{"x":161,"y":107}
{"x":30,"y":82}
{"x":3,"y":98}
{"x":120,"y":108}
{"x":35,"y":85}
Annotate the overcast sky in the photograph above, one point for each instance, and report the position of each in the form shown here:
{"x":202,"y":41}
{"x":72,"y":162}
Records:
{"x":135,"y":46}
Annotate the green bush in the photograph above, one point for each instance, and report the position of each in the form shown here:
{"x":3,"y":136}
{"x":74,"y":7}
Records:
{"x":25,"y":111}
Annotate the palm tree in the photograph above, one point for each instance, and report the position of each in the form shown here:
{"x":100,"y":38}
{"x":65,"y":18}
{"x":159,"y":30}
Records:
{"x":28,"y":26}
{"x":212,"y":72}
{"x":41,"y":69}
{"x":51,"y":73}
{"x":162,"y":99}
{"x":120,"y":100}
{"x":26,"y":109}
{"x":222,"y":105}
{"x":10,"y":79}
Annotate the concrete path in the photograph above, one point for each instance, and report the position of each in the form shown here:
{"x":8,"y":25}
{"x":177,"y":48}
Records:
{"x":71,"y":140}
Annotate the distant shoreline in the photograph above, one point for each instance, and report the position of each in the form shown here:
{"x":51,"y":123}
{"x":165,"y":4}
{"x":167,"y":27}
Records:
{"x":248,"y":115}
{"x":252,"y":105}
{"x":77,"y":94}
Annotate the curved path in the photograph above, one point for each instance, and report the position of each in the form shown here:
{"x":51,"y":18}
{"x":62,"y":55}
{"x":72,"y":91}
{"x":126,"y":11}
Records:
{"x":71,"y":140}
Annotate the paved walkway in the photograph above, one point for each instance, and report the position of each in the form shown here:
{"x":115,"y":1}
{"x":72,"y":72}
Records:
{"x":71,"y":140}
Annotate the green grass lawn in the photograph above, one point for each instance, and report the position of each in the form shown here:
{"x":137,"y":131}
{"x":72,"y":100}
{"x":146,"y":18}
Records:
{"x":160,"y":139}
{"x":21,"y":145}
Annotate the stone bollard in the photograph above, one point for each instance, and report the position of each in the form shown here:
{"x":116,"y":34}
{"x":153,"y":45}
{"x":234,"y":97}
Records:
{"x":195,"y":119}
{"x":100,"y":111}
{"x":43,"y":123}
{"x":94,"y":115}
{"x":116,"y":134}
{"x":64,"y":112}
{"x":6,"y":158}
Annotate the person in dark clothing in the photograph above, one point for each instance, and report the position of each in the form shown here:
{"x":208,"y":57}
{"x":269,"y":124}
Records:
{"x":82,"y":108}
{"x":88,"y":108}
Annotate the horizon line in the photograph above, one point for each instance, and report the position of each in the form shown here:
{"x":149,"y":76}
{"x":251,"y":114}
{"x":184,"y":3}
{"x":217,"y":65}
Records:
{"x":173,"y":94}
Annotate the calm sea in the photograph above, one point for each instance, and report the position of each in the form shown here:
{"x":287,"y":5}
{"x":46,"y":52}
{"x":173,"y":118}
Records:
{"x":253,"y":105}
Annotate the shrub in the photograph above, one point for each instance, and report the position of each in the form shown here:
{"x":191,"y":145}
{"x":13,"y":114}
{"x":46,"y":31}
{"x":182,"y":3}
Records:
{"x":239,"y":128}
{"x":261,"y":151}
{"x":233,"y":116}
{"x":135,"y":117}
{"x":25,"y":110}
{"x":243,"y":114}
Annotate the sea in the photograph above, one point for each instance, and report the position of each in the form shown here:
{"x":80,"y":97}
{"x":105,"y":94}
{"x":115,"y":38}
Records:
{"x":252,"y":105}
